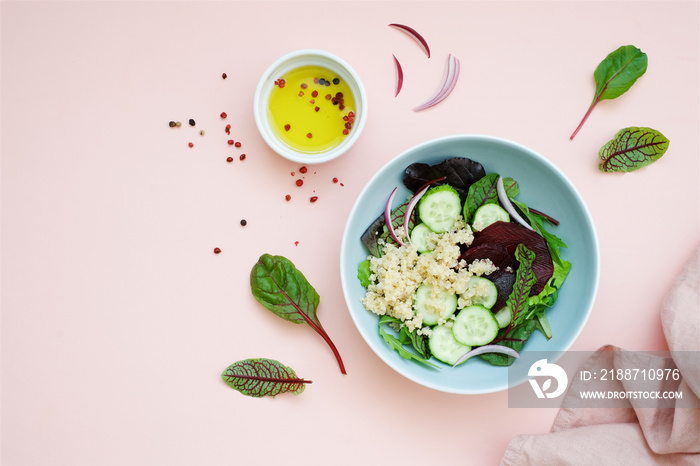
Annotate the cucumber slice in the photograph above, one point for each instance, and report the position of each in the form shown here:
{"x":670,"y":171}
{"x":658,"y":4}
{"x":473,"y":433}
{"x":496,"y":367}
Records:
{"x":484,"y":291}
{"x":419,"y":237}
{"x":430,"y":315}
{"x":444,"y":347}
{"x":503,"y":317}
{"x":475,"y":326}
{"x":439,"y":208}
{"x":488,"y":214}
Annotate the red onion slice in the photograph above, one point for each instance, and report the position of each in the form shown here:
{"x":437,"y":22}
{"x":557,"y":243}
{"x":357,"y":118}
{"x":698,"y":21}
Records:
{"x":399,"y":75}
{"x":505,"y":202}
{"x":409,"y":210}
{"x":448,"y":83}
{"x":387,"y":217}
{"x":452,"y":65}
{"x":488,"y":349}
{"x":415,"y":35}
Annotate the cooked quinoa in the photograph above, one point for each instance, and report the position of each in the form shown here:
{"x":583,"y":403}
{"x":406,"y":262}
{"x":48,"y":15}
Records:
{"x":396,"y":276}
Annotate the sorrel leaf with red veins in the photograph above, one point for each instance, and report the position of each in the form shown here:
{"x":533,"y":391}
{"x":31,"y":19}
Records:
{"x":263,"y":377}
{"x":521,"y":326}
{"x":281,"y":288}
{"x":525,"y":279}
{"x":615,"y":75}
{"x":631,"y":149}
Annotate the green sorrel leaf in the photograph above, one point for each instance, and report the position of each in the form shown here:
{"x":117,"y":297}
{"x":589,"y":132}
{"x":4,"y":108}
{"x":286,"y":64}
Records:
{"x":615,"y":75}
{"x":263,"y":377}
{"x":480,"y":193}
{"x":631,"y":149}
{"x":512,"y":188}
{"x":513,"y":338}
{"x":620,"y":69}
{"x":484,"y":192}
{"x":281,"y":288}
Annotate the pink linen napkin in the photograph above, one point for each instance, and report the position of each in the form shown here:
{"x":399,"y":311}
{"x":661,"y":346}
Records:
{"x":632,"y":435}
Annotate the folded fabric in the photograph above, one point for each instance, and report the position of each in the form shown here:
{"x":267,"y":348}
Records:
{"x":631,"y":432}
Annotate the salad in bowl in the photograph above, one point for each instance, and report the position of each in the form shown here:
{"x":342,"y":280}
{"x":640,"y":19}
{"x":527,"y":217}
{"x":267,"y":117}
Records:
{"x":457,"y":256}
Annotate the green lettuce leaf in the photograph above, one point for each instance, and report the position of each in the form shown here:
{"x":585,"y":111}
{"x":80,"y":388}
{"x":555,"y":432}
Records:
{"x":399,"y":344}
{"x":363,"y":273}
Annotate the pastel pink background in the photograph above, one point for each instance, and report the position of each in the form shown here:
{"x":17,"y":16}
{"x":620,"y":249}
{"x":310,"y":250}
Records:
{"x":117,"y":318}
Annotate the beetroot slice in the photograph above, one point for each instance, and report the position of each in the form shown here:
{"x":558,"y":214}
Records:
{"x":504,"y":277}
{"x":490,"y":243}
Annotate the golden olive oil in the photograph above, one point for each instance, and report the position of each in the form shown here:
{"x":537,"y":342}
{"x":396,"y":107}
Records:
{"x":311,"y":109}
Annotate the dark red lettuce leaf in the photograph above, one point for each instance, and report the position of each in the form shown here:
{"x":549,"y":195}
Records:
{"x":491,"y":242}
{"x":458,"y":172}
{"x":377,"y":230}
{"x":374,"y":232}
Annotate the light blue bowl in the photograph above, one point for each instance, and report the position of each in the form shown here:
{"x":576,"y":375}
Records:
{"x":543,"y":187}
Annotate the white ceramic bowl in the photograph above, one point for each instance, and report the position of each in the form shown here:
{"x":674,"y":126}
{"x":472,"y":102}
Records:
{"x":542,"y":186}
{"x":289,"y":62}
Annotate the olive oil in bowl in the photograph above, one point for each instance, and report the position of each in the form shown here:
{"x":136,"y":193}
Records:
{"x":311,"y":109}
